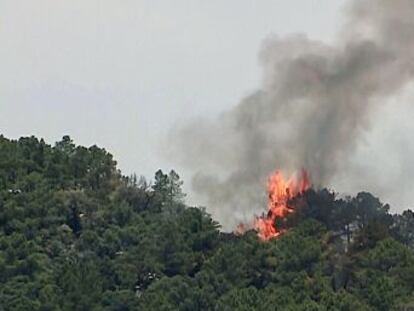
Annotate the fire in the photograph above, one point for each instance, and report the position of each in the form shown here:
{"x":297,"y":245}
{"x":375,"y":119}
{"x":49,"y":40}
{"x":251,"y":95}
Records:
{"x":280,"y":192}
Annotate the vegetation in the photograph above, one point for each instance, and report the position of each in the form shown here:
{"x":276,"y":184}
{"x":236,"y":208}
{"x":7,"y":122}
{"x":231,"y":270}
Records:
{"x":77,"y":235}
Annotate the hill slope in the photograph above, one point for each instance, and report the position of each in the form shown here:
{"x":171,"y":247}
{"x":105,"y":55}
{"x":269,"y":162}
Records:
{"x":77,"y":235}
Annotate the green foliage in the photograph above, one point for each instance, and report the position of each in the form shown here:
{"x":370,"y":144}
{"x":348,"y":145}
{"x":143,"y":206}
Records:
{"x":77,"y":235}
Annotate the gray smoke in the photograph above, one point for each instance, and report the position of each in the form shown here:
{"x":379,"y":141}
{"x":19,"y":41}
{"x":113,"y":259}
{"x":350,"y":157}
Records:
{"x":310,"y":112}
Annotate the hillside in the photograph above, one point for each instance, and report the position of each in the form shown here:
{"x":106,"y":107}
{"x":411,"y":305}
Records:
{"x":75,"y":234}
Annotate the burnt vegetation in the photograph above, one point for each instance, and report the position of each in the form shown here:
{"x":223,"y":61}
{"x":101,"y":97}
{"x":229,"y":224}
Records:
{"x":75,"y":234}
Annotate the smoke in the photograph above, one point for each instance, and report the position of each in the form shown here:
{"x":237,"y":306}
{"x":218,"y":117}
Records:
{"x":313,"y":106}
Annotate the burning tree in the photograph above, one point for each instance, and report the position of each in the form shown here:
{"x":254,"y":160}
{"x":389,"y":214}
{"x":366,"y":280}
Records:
{"x":281,"y":193}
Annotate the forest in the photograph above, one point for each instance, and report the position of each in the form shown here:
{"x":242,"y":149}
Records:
{"x":76,"y":234}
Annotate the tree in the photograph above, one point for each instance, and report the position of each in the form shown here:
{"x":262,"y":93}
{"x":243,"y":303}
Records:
{"x":403,"y":228}
{"x":168,"y":188}
{"x":77,"y":235}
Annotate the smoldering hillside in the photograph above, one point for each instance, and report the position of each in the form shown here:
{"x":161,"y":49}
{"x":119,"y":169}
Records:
{"x":313,"y":107}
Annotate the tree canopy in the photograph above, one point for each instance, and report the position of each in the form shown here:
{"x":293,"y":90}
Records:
{"x":75,"y":234}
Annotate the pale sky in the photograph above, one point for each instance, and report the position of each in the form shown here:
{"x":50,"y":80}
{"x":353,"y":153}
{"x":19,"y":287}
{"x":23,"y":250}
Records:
{"x":121,"y":73}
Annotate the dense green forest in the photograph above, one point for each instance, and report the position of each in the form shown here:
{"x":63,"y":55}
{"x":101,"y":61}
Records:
{"x":75,"y":234}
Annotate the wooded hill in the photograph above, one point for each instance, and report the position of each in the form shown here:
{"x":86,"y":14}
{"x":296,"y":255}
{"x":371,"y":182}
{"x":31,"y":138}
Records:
{"x":75,"y":234}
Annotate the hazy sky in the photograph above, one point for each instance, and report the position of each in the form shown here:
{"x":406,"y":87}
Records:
{"x":121,"y":73}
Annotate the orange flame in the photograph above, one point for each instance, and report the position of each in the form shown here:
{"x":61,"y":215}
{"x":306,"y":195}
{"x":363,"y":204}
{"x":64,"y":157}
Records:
{"x":280,"y":192}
